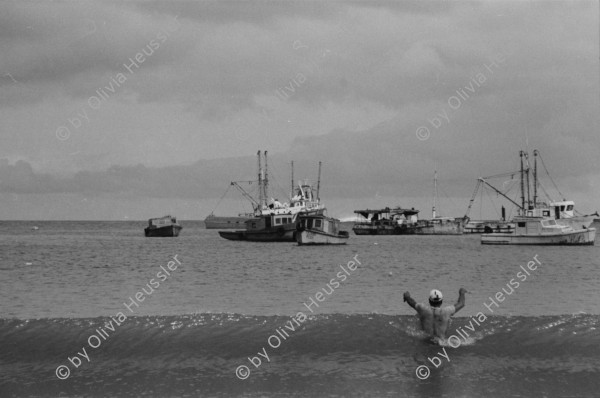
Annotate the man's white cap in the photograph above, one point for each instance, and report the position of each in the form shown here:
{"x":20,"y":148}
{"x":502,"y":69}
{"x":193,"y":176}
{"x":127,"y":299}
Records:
{"x":435,"y":296}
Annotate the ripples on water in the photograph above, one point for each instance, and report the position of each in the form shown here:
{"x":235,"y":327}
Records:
{"x":218,"y":308}
{"x":88,"y":269}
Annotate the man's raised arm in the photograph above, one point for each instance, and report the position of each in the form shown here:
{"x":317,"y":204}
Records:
{"x":461,"y":300}
{"x":411,"y":301}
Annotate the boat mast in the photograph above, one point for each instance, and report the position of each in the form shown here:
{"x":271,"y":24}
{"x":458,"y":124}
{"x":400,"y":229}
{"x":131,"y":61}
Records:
{"x":319,"y":184}
{"x":434,"y":193}
{"x":266,"y":179}
{"x":260,"y":182}
{"x":522,"y":185}
{"x":292,"y":186}
{"x":528,"y":184}
{"x":535,"y":181}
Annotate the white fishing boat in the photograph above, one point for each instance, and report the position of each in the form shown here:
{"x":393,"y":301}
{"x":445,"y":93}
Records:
{"x":541,"y":231}
{"x":318,"y":229}
{"x":531,"y":205}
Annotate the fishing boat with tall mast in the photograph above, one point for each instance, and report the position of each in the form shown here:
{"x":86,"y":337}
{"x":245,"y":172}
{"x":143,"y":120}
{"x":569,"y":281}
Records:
{"x":539,"y":223}
{"x":274,"y":221}
{"x":531,"y":230}
{"x":316,"y":228}
{"x":563,"y":211}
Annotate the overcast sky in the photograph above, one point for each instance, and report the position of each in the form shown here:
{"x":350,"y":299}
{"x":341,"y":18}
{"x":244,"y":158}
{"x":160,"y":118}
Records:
{"x":137,"y":109}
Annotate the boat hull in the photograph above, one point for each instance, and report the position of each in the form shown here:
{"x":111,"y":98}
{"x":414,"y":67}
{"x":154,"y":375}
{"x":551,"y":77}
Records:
{"x":580,"y":222}
{"x":421,"y":228}
{"x":288,"y":235}
{"x":374,"y":230}
{"x":573,"y":238}
{"x":489,"y":227}
{"x":311,"y":237}
{"x":163,"y":232}
{"x":449,"y":229}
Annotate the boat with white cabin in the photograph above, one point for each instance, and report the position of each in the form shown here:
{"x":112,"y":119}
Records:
{"x":563,"y":211}
{"x":318,"y":229}
{"x":541,"y":231}
{"x":541,"y":224}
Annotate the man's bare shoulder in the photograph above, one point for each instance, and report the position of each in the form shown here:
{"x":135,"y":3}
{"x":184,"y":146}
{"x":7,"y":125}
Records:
{"x":450,"y":310}
{"x":422,"y":308}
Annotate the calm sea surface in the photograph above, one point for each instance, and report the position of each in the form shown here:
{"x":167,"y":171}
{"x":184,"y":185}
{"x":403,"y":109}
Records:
{"x":88,"y":269}
{"x":195,"y":324}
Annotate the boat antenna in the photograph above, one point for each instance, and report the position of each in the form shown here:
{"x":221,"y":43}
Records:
{"x":319,"y":184}
{"x":292,"y":186}
{"x":435,"y":192}
{"x":266,"y":179}
{"x":260,"y":182}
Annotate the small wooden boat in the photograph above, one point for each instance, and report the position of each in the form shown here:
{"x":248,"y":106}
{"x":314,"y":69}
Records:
{"x":166,"y":226}
{"x":541,"y":231}
{"x":318,"y":229}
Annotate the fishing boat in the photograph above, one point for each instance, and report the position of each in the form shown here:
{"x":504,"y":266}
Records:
{"x":541,"y":231}
{"x":541,"y":224}
{"x":166,"y":226}
{"x":563,"y":211}
{"x":274,"y":221}
{"x":318,"y":229}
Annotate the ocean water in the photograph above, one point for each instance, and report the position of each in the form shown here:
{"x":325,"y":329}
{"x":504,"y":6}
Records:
{"x":219,"y":318}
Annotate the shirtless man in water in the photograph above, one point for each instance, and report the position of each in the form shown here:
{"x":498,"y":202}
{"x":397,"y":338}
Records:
{"x":434,"y":318}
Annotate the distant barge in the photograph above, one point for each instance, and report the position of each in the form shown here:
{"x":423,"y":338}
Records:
{"x":384,"y":221}
{"x":400,"y":221}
